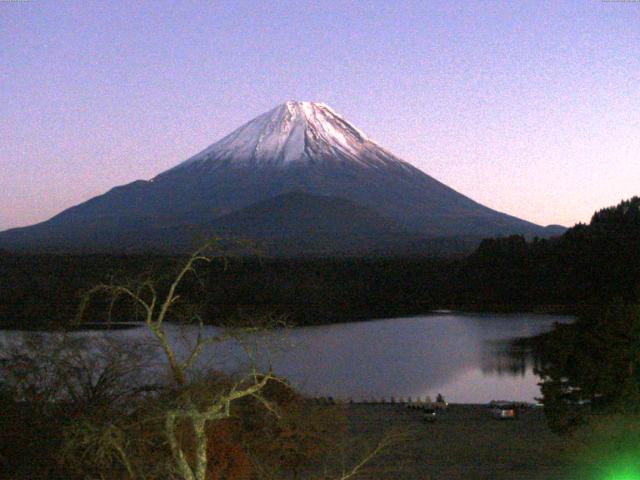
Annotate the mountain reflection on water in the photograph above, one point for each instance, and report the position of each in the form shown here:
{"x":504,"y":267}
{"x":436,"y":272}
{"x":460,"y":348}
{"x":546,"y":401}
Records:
{"x":506,"y":357}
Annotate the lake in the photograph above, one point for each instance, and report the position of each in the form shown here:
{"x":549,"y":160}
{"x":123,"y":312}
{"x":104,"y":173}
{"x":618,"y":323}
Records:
{"x":462,"y":356}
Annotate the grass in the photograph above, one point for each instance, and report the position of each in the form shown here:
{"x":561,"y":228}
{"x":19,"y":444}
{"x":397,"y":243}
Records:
{"x":465,"y":442}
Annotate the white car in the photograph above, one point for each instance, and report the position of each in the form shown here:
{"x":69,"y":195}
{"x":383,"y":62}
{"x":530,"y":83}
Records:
{"x":504,"y":411}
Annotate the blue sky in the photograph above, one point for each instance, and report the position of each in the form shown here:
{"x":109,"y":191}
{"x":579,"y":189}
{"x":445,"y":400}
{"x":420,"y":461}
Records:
{"x":531,"y":108}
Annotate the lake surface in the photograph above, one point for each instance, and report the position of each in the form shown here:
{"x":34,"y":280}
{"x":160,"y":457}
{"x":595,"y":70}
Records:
{"x":462,"y":356}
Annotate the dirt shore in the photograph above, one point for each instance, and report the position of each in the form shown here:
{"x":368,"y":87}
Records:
{"x":465,"y":442}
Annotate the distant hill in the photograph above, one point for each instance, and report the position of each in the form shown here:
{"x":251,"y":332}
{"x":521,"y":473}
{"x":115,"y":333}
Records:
{"x":301,"y":223}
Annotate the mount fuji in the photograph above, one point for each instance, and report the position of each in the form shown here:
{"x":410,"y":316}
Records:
{"x":299,"y":174}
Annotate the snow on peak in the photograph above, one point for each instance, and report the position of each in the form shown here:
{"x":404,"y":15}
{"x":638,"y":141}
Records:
{"x":292,"y":132}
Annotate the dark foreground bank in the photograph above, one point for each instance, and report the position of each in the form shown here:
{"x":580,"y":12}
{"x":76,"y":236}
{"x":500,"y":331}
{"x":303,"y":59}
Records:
{"x":465,"y":442}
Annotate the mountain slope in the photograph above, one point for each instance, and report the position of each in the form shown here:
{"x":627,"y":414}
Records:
{"x":301,"y":214}
{"x":299,"y":223}
{"x":296,"y":147}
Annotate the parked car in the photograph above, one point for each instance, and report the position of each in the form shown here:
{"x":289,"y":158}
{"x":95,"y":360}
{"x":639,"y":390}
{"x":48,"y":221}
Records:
{"x":504,"y":411}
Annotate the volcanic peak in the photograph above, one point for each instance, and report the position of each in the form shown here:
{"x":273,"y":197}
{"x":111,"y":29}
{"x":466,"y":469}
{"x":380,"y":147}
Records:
{"x":291,"y":132}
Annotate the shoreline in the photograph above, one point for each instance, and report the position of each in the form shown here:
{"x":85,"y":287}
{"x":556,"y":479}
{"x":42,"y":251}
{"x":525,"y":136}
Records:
{"x":44,"y":328}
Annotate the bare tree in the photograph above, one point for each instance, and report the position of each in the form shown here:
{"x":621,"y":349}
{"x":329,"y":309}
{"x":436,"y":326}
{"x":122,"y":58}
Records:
{"x":157,"y":309}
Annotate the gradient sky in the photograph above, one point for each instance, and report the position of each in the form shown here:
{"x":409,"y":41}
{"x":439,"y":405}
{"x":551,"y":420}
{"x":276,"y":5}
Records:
{"x":531,"y":108}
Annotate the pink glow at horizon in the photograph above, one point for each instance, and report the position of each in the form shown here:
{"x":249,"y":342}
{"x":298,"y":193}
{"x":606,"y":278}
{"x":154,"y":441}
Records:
{"x":527,"y":107}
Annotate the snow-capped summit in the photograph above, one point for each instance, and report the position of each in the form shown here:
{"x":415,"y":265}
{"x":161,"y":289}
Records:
{"x":292,"y":132}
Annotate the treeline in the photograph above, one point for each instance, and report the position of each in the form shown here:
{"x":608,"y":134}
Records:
{"x":586,"y":265}
{"x":45,"y":290}
{"x":314,"y":291}
{"x":590,"y":369}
